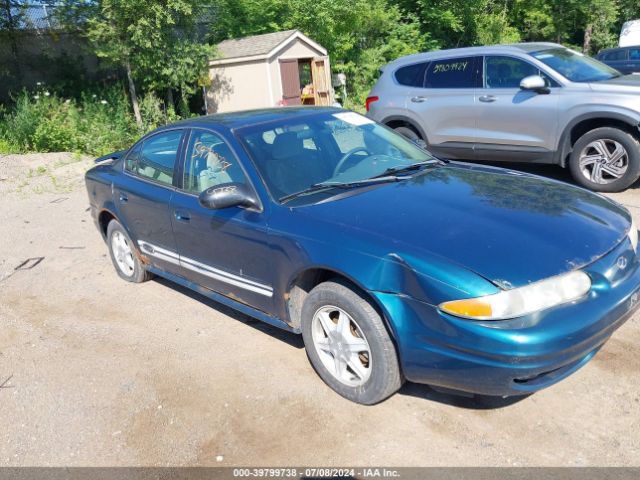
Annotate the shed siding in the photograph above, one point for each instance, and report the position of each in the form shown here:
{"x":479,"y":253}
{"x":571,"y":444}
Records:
{"x":239,"y":86}
{"x":297,"y":49}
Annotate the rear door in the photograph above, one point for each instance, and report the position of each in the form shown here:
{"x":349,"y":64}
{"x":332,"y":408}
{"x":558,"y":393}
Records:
{"x":443,"y":103}
{"x":514,"y":124}
{"x":225,"y":250}
{"x":144,"y":192}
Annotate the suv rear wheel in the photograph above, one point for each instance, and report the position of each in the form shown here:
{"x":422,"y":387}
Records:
{"x":606,"y":160}
{"x":408,"y":132}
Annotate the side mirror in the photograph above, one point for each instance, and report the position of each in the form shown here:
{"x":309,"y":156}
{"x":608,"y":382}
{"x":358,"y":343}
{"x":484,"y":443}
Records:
{"x":534,"y":83}
{"x":228,"y":195}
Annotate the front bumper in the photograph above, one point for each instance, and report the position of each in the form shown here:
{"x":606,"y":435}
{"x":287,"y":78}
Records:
{"x":516,"y":356}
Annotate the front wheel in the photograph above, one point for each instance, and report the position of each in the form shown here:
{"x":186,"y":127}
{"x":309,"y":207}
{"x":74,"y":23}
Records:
{"x":348,"y":344}
{"x":606,"y":160}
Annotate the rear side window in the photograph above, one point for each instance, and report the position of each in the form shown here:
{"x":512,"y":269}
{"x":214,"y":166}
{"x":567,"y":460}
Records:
{"x":451,"y":73}
{"x":615,"y":55}
{"x":411,"y":75}
{"x":155,"y":158}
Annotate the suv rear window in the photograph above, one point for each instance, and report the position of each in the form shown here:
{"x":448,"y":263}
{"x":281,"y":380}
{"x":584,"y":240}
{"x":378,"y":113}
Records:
{"x":411,"y":75}
{"x":451,"y":73}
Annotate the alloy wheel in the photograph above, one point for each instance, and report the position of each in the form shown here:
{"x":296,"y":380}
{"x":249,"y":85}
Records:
{"x":603,"y":161}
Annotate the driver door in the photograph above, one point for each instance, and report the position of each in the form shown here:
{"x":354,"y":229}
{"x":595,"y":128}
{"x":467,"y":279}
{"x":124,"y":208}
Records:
{"x":514,"y":124}
{"x":224,"y":250}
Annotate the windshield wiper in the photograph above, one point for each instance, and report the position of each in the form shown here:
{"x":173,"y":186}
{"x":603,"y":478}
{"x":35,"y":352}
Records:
{"x":407,"y":168}
{"x":326,"y":185}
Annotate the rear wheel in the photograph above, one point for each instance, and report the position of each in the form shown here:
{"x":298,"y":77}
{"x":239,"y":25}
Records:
{"x":123,"y":255}
{"x":408,"y":132}
{"x":348,"y":344}
{"x":606,"y":160}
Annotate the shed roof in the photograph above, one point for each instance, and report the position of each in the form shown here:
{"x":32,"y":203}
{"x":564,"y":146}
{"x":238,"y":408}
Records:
{"x":255,"y":45}
{"x":260,"y":46}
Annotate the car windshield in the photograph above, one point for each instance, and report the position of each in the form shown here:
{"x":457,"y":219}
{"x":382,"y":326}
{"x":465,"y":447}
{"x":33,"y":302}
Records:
{"x":340,"y":148}
{"x":575,"y":66}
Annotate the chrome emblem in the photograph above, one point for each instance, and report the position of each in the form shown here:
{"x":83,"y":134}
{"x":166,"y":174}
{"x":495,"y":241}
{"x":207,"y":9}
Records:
{"x":621,"y":263}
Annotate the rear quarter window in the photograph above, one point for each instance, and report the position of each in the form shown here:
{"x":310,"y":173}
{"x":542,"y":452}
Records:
{"x":411,"y":75}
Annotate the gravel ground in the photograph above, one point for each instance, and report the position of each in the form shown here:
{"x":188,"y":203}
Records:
{"x":99,"y":372}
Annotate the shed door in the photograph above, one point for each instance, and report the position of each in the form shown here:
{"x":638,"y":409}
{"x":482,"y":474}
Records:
{"x":290,"y":82}
{"x":321,"y":75}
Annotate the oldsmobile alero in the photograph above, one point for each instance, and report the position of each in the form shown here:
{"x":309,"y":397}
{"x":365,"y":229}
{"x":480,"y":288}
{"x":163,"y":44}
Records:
{"x":391,"y":263}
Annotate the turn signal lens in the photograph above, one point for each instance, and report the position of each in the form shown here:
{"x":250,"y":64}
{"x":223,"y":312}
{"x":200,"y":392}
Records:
{"x":524,"y":300}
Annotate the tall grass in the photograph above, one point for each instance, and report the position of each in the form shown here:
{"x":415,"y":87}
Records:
{"x":94,"y":123}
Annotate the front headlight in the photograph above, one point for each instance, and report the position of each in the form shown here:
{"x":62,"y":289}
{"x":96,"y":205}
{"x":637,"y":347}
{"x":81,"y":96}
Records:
{"x":633,"y":234}
{"x":521,"y":301}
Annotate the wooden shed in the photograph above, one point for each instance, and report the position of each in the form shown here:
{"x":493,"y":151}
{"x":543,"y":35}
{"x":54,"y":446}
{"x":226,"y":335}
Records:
{"x":274,"y":69}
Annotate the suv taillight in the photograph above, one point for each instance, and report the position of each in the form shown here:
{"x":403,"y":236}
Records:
{"x":369,"y":101}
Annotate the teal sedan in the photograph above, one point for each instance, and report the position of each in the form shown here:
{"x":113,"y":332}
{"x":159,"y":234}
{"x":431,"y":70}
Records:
{"x":392,"y":264}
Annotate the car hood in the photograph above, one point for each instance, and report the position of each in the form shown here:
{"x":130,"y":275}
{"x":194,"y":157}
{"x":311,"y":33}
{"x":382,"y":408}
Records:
{"x":511,"y":228}
{"x":623,"y":84}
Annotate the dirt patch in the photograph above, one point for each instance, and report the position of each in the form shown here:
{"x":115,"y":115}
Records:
{"x":108,"y":373}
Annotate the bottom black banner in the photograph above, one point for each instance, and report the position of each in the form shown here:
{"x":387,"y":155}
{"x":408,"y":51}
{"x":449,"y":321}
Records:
{"x":364,"y":473}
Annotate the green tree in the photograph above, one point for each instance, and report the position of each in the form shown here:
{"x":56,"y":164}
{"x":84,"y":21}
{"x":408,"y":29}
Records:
{"x":12,"y":14}
{"x":494,"y":27}
{"x":154,"y":42}
{"x":600,"y":16}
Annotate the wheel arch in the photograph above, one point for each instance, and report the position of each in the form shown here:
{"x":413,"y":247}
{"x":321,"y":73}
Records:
{"x":104,"y":218}
{"x":395,"y":121}
{"x":303,"y":281}
{"x":590,"y":121}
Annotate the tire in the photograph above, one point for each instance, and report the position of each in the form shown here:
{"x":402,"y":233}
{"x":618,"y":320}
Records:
{"x":409,"y":133}
{"x":375,"y":374}
{"x":597,"y":149}
{"x":126,"y":263}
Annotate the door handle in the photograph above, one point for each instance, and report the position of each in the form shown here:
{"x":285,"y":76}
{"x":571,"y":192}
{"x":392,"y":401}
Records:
{"x":123,"y":197}
{"x":487,"y":98}
{"x":182,"y":215}
{"x":418,"y":99}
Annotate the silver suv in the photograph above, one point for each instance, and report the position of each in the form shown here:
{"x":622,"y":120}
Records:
{"x":532,"y":102}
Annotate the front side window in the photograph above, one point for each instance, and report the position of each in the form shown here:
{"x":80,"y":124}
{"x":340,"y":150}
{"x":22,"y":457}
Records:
{"x":209,"y":163}
{"x":634,"y":54}
{"x":155,"y":158}
{"x":451,"y":73}
{"x":507,"y":72}
{"x":575,"y":66}
{"x":326,"y":147}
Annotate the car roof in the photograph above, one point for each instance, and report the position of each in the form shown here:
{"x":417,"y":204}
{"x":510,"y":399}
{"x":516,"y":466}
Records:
{"x":245,"y":118}
{"x":483,"y":50}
